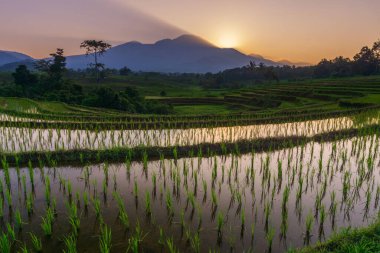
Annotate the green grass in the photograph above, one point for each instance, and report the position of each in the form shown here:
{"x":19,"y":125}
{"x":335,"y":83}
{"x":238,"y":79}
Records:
{"x":190,"y":98}
{"x":360,"y":240}
{"x":204,"y":109}
{"x":371,"y":98}
{"x":17,"y":104}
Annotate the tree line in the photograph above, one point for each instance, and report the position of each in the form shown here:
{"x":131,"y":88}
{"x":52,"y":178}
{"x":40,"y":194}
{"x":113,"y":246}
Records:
{"x":366,"y":62}
{"x":51,"y":82}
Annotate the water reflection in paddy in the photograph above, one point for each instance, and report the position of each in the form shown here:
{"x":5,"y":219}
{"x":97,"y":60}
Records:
{"x":26,"y":139}
{"x":340,"y":180}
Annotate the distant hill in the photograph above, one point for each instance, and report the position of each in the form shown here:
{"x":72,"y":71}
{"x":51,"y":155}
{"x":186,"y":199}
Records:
{"x":297,"y":64}
{"x":7,"y":57}
{"x":10,"y":67}
{"x":185,"y":54}
{"x":282,"y":62}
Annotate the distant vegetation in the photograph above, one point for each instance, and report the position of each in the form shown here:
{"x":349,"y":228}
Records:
{"x":125,"y":90}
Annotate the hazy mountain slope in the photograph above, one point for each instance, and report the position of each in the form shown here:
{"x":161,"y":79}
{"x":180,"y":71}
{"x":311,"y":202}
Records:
{"x":10,"y":57}
{"x":186,"y":53}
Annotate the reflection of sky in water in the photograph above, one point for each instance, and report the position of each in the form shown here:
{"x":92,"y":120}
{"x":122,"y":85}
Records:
{"x":239,"y":176}
{"x":23,"y":139}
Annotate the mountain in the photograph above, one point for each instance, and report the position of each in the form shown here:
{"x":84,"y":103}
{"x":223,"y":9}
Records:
{"x":185,"y":54}
{"x":11,"y":57}
{"x":11,"y":67}
{"x":297,"y":64}
{"x":282,"y":62}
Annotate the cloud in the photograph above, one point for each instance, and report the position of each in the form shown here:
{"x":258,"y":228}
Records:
{"x":45,"y":24}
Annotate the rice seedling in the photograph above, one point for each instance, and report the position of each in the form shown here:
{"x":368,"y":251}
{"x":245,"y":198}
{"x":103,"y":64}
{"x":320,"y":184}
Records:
{"x":309,"y":226}
{"x":105,"y":239}
{"x":171,"y":246}
{"x":5,"y":243}
{"x":18,"y":220}
{"x":269,"y":237}
{"x":36,"y":242}
{"x":220,"y":223}
{"x":1,"y":208}
{"x":46,"y":226}
{"x":195,"y":243}
{"x":96,"y":204}
{"x":148,"y":208}
{"x":70,"y":242}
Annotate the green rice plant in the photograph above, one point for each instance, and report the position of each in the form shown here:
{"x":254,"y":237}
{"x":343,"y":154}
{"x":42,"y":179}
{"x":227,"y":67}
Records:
{"x":133,"y":245}
{"x":8,"y":196}
{"x":18,"y":220}
{"x":269,"y":237}
{"x":145,"y":161}
{"x":195,"y":243}
{"x":36,"y":242}
{"x":136,"y":239}
{"x":75,"y":225}
{"x":204,"y":189}
{"x":46,"y":226}
{"x":171,"y":246}
{"x":5,"y":243}
{"x":5,"y":167}
{"x":69,"y":189}
{"x":96,"y":204}
{"x":11,"y":233}
{"x":368,"y":195}
{"x":154,"y":181}
{"x":1,"y":189}
{"x":31,"y":173}
{"x":267,"y":212}
{"x":70,"y":242}
{"x":322,"y":216}
{"x":148,"y":208}
{"x":135,"y":190}
{"x":169,"y":203}
{"x":279,"y":170}
{"x":1,"y":208}
{"x":182,"y":218}
{"x":123,"y":216}
{"x":161,"y":239}
{"x":105,"y":239}
{"x":214,"y":198}
{"x":23,"y":249}
{"x":309,"y":226}
{"x":220,"y":223}
{"x":29,"y":203}
{"x":47,"y":191}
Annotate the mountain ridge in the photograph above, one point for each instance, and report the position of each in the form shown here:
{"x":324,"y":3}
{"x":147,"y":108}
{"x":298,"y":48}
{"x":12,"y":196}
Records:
{"x":184,"y":54}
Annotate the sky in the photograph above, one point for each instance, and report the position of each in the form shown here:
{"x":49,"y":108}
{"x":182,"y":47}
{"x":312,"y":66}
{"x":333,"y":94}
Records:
{"x":296,"y":30}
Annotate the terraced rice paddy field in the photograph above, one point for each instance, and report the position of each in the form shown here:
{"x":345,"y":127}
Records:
{"x":78,"y":179}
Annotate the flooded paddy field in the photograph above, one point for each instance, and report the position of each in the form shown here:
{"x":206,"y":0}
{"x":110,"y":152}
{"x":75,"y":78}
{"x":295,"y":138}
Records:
{"x":32,"y":139}
{"x":266,"y":202}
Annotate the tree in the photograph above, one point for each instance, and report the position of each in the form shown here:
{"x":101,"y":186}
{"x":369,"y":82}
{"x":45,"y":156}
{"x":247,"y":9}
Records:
{"x":24,"y":78}
{"x":58,"y":65}
{"x":376,"y":51}
{"x":365,"y":62}
{"x":124,"y":71}
{"x":97,"y":48}
{"x":54,"y":67}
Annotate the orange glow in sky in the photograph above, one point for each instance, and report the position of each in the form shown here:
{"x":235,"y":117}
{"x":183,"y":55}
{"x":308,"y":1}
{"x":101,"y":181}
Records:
{"x":295,"y":30}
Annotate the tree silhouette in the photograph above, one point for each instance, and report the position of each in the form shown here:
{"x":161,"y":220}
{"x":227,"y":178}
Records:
{"x":96,"y":48}
{"x":24,"y":78}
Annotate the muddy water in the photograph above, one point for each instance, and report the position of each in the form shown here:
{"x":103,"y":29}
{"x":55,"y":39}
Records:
{"x":24,"y":139}
{"x":243,"y":185}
